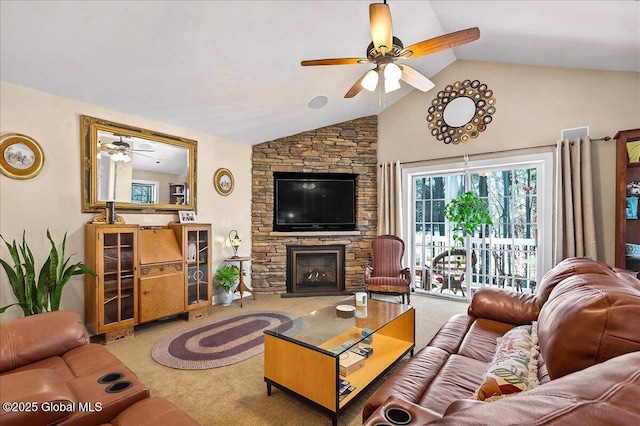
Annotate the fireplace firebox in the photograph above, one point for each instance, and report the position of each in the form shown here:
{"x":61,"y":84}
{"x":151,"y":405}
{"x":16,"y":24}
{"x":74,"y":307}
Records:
{"x":315,"y":269}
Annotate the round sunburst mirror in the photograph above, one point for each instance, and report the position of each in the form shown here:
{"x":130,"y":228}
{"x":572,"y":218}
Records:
{"x":461,"y":111}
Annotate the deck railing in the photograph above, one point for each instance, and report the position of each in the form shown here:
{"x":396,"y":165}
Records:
{"x":500,"y":262}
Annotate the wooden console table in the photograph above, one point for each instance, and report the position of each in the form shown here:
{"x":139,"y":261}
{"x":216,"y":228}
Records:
{"x":242,"y":287}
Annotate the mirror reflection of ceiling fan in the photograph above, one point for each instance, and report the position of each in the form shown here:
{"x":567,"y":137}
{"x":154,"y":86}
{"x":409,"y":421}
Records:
{"x":119,"y":150}
{"x":385,"y":50}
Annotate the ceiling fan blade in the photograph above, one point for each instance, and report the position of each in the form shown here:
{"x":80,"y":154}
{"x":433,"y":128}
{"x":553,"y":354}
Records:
{"x":143,"y":155}
{"x":356,"y":88}
{"x":416,"y":79}
{"x":380,"y":22}
{"x":443,"y":42}
{"x":335,"y":61}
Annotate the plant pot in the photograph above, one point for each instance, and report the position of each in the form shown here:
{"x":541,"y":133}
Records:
{"x":226,"y":297}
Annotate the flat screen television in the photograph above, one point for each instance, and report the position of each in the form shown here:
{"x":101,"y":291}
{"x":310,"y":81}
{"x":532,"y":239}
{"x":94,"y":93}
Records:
{"x":314,"y":201}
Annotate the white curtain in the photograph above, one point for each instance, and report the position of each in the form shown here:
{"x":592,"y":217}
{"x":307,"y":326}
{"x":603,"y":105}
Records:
{"x":574,"y":218}
{"x":390,"y":199}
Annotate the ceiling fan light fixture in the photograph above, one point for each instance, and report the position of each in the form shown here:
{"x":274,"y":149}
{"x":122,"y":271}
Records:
{"x":392,"y":72}
{"x":120,"y":156}
{"x":370,"y":80}
{"x":390,"y":85}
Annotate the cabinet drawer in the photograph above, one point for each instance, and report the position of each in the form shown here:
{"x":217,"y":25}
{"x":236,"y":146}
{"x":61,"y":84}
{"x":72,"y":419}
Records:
{"x":160,"y":269}
{"x":160,"y":295}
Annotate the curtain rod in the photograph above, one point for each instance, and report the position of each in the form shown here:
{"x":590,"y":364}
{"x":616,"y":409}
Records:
{"x":606,"y":138}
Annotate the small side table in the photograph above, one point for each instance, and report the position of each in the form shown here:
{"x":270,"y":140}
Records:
{"x":241,"y":286}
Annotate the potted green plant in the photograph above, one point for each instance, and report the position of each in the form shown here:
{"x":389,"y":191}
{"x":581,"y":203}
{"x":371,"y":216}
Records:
{"x":466,"y":212}
{"x":41,"y":292}
{"x":226,"y":277}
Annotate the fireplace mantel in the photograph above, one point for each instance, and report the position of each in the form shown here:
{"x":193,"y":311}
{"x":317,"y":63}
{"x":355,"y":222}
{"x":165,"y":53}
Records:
{"x":312,"y":233}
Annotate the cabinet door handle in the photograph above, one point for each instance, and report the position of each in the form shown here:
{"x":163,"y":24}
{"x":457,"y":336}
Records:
{"x":146,"y":293}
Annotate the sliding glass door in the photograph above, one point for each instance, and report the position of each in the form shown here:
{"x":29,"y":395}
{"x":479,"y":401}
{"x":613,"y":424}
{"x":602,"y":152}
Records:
{"x":513,"y":253}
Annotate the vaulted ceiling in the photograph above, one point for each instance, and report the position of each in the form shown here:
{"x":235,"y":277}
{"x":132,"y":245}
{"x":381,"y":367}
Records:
{"x":232,"y":68}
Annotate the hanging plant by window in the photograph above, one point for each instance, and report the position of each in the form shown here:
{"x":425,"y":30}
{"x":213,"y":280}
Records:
{"x":467,"y":212}
{"x":461,"y":111}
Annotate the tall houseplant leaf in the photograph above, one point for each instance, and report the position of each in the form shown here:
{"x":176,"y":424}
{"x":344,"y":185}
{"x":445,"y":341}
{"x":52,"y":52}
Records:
{"x":16,"y":275}
{"x":59,"y":273}
{"x":30,"y":288}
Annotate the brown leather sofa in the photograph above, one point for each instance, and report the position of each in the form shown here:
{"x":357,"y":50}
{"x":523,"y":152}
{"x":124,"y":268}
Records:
{"x":588,"y":317}
{"x":50,"y":374}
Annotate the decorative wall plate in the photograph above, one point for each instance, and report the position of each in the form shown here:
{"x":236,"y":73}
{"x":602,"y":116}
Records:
{"x":20,"y":156}
{"x":461,"y":111}
{"x":223,"y":181}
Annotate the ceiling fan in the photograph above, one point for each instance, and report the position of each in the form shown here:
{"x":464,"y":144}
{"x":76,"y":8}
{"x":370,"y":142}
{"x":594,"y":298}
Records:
{"x":119,"y":149}
{"x":385,"y":50}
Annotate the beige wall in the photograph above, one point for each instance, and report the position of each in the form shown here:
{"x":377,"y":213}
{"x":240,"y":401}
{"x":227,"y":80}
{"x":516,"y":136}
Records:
{"x":53,"y":198}
{"x":533,"y":105}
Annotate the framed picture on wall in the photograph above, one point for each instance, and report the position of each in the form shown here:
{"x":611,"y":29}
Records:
{"x":223,"y":181}
{"x":20,"y":156}
{"x":187,"y":216}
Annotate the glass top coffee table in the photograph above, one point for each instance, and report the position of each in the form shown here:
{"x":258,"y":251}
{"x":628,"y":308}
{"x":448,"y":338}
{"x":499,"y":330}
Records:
{"x":327,"y":360}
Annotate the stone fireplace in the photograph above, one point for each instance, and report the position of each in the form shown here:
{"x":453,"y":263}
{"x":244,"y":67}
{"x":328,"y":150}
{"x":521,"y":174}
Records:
{"x":349,"y":147}
{"x":315,"y":269}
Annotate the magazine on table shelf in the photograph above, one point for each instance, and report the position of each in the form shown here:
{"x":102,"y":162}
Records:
{"x":345,"y":388}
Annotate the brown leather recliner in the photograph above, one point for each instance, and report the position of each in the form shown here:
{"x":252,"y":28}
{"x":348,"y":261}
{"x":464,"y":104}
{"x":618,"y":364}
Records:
{"x":588,"y":365}
{"x":51,"y":374}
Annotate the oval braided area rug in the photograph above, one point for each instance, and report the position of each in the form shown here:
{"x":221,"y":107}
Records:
{"x":223,"y":341}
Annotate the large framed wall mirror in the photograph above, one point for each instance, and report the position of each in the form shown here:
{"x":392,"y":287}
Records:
{"x":142,"y":171}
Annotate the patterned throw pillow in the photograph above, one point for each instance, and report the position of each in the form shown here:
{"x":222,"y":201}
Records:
{"x":514,"y":367}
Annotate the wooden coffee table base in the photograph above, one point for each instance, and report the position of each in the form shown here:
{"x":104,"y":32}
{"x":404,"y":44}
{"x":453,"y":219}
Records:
{"x":311,"y":373}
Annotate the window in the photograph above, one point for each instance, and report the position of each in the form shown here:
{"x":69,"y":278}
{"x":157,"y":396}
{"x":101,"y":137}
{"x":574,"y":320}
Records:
{"x":144,"y":192}
{"x":512,"y":253}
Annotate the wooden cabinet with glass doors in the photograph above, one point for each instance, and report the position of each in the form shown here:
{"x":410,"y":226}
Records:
{"x":145,"y":274}
{"x":195,"y":240}
{"x":111,"y":305}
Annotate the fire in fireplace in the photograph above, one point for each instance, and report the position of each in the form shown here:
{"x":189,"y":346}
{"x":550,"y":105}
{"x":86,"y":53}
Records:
{"x":315,"y":269}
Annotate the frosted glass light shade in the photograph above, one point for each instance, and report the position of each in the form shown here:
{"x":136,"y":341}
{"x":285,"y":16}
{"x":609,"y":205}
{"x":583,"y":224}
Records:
{"x":120,"y":156}
{"x":370,"y":80}
{"x":391,"y":85}
{"x":392,"y":72}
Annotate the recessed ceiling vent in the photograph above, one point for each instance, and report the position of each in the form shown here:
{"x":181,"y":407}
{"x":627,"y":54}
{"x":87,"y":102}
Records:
{"x":575,"y":133}
{"x":318,"y":102}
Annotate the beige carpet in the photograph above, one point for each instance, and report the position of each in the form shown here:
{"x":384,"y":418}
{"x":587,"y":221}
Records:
{"x":237,"y":394}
